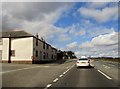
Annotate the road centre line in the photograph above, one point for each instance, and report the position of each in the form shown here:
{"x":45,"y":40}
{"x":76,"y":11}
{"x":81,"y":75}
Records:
{"x":49,"y":85}
{"x":104,"y":75}
{"x":61,"y":75}
{"x":55,"y":80}
{"x":22,"y":69}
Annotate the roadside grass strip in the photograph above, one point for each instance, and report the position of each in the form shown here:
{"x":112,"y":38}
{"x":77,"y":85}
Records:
{"x":105,"y":75}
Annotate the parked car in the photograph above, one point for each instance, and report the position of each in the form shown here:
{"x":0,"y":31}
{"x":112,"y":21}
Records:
{"x":83,"y":62}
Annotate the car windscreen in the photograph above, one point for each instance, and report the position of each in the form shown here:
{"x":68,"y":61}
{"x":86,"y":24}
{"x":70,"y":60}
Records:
{"x":83,"y":59}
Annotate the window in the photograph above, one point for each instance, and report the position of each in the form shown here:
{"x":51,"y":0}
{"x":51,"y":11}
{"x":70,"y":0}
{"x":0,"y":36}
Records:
{"x":40,"y":55}
{"x":43,"y":45}
{"x":12,"y":52}
{"x":47,"y":55}
{"x":52,"y":49}
{"x":36,"y":42}
{"x":36,"y":53}
{"x":52,"y":56}
{"x":44,"y":55}
{"x":47,"y":46}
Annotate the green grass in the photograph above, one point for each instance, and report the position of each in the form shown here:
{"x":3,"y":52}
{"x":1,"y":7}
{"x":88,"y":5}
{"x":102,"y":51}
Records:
{"x":113,"y":60}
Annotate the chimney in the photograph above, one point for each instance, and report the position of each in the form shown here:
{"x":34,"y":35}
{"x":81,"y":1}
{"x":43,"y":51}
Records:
{"x":37,"y":35}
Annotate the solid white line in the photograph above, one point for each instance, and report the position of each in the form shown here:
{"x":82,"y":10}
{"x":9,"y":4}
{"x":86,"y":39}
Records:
{"x":104,"y":74}
{"x":21,"y":69}
{"x":55,"y":80}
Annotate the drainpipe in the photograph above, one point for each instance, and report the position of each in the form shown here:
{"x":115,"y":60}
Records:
{"x":9,"y":50}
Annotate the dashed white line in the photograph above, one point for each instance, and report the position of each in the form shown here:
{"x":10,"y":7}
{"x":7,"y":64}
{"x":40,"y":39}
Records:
{"x":61,"y":75}
{"x":55,"y":80}
{"x":64,"y":72}
{"x":49,"y":85}
{"x":104,"y":74}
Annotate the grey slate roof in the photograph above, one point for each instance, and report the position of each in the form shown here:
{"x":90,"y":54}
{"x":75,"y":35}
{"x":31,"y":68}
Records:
{"x":16,"y":34}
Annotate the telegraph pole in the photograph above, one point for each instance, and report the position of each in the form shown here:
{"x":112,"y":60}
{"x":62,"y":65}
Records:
{"x":9,"y":50}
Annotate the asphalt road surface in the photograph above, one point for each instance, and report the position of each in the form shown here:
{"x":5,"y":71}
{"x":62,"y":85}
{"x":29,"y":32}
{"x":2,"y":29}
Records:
{"x":84,"y":77}
{"x":55,"y":76}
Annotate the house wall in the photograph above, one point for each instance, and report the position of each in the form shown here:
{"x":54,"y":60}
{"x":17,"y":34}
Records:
{"x":5,"y":52}
{"x":48,"y":52}
{"x":23,"y":49}
{"x":37,"y":48}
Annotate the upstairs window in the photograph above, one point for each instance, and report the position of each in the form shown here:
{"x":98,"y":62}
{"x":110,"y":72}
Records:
{"x":43,"y":45}
{"x":36,"y":53}
{"x":36,"y":42}
{"x":47,"y":46}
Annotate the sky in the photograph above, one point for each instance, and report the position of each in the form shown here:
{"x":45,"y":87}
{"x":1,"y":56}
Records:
{"x":86,"y":28}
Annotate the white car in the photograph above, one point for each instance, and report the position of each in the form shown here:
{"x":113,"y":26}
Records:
{"x":83,"y":62}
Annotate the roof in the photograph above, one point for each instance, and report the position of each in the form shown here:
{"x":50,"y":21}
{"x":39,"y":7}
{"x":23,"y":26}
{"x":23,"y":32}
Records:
{"x":20,"y":34}
{"x":16,"y":34}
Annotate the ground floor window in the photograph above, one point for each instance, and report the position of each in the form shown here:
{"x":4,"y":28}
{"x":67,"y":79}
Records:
{"x":36,"y":54}
{"x":13,"y":53}
{"x":44,"y":55}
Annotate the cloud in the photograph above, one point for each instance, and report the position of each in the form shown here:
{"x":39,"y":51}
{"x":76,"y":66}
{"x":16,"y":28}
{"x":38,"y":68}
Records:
{"x":20,"y":12}
{"x":104,"y":15}
{"x":106,"y":40}
{"x":64,"y":37}
{"x":99,"y":30}
{"x":82,"y":32}
{"x":72,"y":45}
{"x":97,"y":4}
{"x":34,"y":17}
{"x":102,"y":45}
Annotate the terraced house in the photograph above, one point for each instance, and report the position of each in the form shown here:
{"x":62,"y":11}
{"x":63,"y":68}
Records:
{"x":20,"y":46}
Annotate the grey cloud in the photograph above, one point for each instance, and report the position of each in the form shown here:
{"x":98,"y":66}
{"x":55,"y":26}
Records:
{"x":15,"y":14}
{"x":30,"y":10}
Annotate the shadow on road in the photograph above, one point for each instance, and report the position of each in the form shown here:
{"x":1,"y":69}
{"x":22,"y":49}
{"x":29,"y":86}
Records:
{"x":85,"y":67}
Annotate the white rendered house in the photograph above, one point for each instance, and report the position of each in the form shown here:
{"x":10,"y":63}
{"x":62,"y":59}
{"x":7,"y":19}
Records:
{"x":20,"y":46}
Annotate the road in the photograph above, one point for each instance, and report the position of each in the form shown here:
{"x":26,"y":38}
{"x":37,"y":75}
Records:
{"x":55,"y":75}
{"x":84,"y":77}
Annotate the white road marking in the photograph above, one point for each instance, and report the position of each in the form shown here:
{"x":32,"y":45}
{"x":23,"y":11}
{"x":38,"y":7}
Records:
{"x":49,"y":85}
{"x":55,"y":80}
{"x":107,"y":67}
{"x":104,"y":74}
{"x":64,"y":72}
{"x":22,"y":69}
{"x":61,"y":75}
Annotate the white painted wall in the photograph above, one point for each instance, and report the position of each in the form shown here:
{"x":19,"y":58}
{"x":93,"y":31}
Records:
{"x":5,"y":49}
{"x":23,"y":49}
